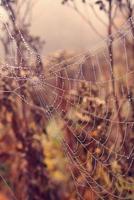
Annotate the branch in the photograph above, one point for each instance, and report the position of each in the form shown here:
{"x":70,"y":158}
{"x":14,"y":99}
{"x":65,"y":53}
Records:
{"x":86,"y":20}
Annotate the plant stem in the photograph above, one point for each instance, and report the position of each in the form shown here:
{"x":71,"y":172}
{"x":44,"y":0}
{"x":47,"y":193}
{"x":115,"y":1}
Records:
{"x":110,"y":50}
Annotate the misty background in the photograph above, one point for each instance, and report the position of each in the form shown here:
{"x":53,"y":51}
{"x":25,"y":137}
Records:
{"x":62,"y":28}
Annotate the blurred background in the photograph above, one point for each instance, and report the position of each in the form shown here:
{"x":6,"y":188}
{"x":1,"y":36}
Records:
{"x":67,"y":30}
{"x":66,"y":99}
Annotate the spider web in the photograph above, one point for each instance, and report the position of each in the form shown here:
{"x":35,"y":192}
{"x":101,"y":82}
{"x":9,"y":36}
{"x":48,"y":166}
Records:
{"x":71,"y":73}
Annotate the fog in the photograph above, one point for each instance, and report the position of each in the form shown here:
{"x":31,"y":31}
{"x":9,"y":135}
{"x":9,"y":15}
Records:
{"x":62,"y":28}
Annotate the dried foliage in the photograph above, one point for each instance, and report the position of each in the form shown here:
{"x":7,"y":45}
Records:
{"x":34,"y":151}
{"x":87,"y":163}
